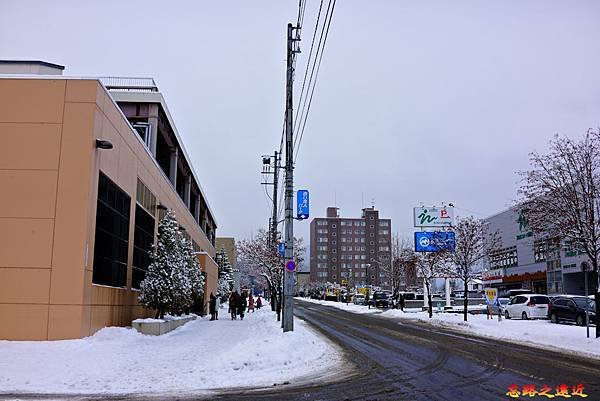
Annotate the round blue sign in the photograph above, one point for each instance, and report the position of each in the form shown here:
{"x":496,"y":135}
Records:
{"x":290,"y":265}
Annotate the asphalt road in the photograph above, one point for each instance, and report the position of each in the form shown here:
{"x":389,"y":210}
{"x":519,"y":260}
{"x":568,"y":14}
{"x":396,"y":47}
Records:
{"x":414,"y":361}
{"x":393,"y":360}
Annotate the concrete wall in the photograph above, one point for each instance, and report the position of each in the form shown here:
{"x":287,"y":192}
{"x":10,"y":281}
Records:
{"x":49,"y":169}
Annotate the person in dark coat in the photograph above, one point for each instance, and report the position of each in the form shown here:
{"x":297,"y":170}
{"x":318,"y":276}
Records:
{"x":212,"y":306}
{"x":233,"y":302}
{"x":402,"y":302}
{"x":241,"y":305}
{"x":258,"y":302}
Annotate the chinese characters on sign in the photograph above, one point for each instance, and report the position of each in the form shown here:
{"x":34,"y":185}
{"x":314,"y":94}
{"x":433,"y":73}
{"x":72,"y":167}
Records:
{"x":560,"y":391}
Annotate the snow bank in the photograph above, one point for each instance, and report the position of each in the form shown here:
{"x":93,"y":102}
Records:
{"x":540,"y":333}
{"x":200,"y":355}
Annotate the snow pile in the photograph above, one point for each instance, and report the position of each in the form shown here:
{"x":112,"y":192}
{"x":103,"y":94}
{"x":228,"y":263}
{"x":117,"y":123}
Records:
{"x":541,"y":333}
{"x":200,"y":355}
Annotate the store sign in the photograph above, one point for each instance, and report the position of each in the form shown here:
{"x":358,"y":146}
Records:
{"x":491,"y":295}
{"x":428,"y":241}
{"x":433,"y":216}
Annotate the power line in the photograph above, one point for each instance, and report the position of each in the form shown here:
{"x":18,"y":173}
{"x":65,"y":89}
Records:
{"x":312,"y":44}
{"x":302,"y":106}
{"x":315,"y":82}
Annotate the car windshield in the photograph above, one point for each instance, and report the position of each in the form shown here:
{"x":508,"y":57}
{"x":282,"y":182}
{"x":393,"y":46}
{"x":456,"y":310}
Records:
{"x":540,"y":300}
{"x":582,"y":301}
{"x":380,"y":295}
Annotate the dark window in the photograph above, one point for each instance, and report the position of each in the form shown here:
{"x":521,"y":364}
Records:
{"x":521,"y":300}
{"x":560,"y":302}
{"x":112,"y":234}
{"x":540,"y":300}
{"x":143,"y":239}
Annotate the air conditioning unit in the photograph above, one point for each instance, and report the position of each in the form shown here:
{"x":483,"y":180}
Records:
{"x":144,"y":130}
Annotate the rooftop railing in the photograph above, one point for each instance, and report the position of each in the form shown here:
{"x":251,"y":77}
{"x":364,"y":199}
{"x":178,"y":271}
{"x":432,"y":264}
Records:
{"x":127,"y":84}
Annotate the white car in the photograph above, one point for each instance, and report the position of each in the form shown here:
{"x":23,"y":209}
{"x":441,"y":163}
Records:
{"x":527,"y":306}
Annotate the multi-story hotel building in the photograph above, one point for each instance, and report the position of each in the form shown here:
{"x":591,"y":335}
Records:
{"x":350,"y":250}
{"x":88,"y":166}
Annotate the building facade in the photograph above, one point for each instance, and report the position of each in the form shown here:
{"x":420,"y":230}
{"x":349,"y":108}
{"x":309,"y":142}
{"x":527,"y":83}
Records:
{"x":350,"y":250}
{"x":228,"y":243}
{"x":87,"y":170}
{"x":543,"y":265}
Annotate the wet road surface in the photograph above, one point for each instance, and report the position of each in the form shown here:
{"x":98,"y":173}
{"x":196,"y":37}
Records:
{"x":413,"y":361}
{"x":389,"y":359}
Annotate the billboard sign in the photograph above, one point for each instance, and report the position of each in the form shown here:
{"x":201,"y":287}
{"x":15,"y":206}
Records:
{"x":302,"y":204}
{"x":433,"y":216}
{"x":434,"y":241}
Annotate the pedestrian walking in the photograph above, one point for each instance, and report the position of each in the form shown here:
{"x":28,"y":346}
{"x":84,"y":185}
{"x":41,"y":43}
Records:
{"x":250,"y":303}
{"x":368,"y":300}
{"x":233,"y":301}
{"x":402,"y":302}
{"x":212,"y":306}
{"x":258,"y":302}
{"x":217,"y":307}
{"x":241,"y":305}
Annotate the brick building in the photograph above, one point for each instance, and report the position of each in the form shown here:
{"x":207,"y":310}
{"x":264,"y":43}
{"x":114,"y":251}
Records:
{"x":350,"y":250}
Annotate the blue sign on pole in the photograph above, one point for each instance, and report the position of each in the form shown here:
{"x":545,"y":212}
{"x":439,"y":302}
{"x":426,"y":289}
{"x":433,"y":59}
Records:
{"x":302,"y":204}
{"x":281,"y":249}
{"x":427,"y":241}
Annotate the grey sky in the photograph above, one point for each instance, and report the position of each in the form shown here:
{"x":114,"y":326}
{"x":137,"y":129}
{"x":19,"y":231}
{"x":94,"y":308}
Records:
{"x":439,"y":101}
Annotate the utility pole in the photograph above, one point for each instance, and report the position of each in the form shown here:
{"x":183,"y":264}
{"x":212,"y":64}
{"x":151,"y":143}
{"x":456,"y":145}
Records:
{"x":288,"y":276}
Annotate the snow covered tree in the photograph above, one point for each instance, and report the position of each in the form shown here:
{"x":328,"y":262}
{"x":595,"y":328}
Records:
{"x":173,"y":280}
{"x":472,"y":244}
{"x":259,"y":258}
{"x":560,"y":197}
{"x":225,"y":285}
{"x":195,"y":279}
{"x":157,"y":286}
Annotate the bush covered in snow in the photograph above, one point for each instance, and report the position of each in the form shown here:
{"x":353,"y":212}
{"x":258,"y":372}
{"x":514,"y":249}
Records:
{"x":173,"y":281}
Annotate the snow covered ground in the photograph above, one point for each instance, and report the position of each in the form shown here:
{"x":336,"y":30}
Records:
{"x":200,"y":355}
{"x":541,"y":333}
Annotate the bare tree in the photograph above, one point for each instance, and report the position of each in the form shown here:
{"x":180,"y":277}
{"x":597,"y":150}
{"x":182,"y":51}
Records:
{"x":395,"y":269}
{"x":431,"y":265}
{"x":473,"y":243}
{"x":560,"y":196}
{"x":259,"y":258}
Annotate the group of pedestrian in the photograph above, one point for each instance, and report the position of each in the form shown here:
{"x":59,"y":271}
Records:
{"x":237,"y":305}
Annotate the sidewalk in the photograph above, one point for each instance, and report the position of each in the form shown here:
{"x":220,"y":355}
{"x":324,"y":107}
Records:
{"x":196,"y":357}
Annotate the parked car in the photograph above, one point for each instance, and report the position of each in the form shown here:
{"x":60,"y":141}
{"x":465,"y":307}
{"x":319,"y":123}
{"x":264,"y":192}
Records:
{"x":571,"y":309}
{"x":503,"y":303}
{"x":527,"y":306}
{"x":359,"y":299}
{"x":381,"y":299}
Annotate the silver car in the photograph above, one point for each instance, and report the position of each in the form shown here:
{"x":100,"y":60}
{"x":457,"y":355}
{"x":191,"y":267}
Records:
{"x":359,"y":299}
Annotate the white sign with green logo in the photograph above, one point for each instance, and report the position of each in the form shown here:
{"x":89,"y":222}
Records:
{"x":433,"y":216}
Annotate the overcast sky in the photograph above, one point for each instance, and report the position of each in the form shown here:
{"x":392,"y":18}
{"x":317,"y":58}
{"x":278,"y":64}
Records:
{"x":417,"y":102}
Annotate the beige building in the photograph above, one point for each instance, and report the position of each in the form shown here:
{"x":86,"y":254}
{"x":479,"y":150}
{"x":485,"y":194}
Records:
{"x":87,"y":169}
{"x":228,"y":243}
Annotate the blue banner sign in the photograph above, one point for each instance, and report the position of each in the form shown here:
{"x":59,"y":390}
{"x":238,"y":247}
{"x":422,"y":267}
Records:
{"x":427,"y":241}
{"x":281,"y":249}
{"x":302,"y":204}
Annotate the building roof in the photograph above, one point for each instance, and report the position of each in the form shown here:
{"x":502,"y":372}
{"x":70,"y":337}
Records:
{"x":35,"y":62}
